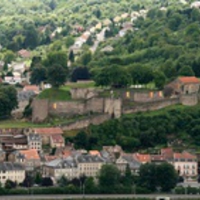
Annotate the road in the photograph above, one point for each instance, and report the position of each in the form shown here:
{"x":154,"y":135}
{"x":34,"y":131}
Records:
{"x":97,"y":196}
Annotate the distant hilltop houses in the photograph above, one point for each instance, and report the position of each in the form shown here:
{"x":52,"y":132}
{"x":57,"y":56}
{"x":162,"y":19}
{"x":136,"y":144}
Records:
{"x":22,"y":151}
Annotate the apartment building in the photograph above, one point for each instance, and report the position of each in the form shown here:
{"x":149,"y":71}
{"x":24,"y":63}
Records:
{"x":34,"y":141}
{"x":12,"y":171}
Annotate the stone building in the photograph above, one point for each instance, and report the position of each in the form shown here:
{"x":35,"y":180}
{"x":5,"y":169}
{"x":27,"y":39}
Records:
{"x":12,"y":171}
{"x":185,"y":85}
{"x":45,"y":133}
{"x":35,"y":141}
{"x":30,"y":159}
{"x":73,"y":166}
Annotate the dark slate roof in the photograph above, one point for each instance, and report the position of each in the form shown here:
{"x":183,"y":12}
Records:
{"x":62,"y":163}
{"x":34,"y":137}
{"x":9,"y":166}
{"x":89,"y":158}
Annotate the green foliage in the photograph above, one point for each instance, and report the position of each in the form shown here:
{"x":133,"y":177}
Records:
{"x":8,"y":100}
{"x":55,"y":94}
{"x":154,"y":177}
{"x":113,"y":76}
{"x":56,"y":58}
{"x":57,"y":75}
{"x":38,"y":75}
{"x":186,"y":71}
{"x":109,"y":178}
{"x":147,"y":130}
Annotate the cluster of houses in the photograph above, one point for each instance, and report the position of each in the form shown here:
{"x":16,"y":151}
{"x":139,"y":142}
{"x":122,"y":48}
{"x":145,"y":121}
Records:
{"x":26,"y":150}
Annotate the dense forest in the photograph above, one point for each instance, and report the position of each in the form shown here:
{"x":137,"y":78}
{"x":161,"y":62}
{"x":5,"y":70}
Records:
{"x":178,"y":127}
{"x":165,"y":44}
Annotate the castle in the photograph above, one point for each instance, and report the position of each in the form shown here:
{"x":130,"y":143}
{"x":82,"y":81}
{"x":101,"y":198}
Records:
{"x":90,"y":102}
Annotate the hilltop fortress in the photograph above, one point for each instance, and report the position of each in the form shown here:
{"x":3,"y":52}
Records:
{"x":99,"y":107}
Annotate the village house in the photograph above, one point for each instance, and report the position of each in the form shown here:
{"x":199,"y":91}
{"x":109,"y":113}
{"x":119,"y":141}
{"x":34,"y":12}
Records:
{"x":45,"y":133}
{"x":142,"y":158}
{"x":61,"y":167}
{"x":89,"y":165}
{"x":33,"y":88}
{"x":35,"y":142}
{"x":73,"y":166}
{"x":29,"y":158}
{"x":128,"y":159}
{"x":186,"y":164}
{"x":24,"y":53}
{"x":11,"y":171}
{"x":11,"y":142}
{"x":57,"y":141}
{"x":185,"y":85}
{"x":113,"y":152}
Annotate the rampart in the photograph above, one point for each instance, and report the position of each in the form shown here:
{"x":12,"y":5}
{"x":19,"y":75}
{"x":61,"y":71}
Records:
{"x":112,"y":107}
{"x":79,"y":124}
{"x":154,"y":105}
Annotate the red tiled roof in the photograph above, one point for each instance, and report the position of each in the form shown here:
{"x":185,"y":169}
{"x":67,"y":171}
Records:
{"x":57,"y":138}
{"x":31,"y":87}
{"x":66,"y":154}
{"x":189,"y":79}
{"x":167,"y":153}
{"x":48,"y":131}
{"x":30,"y":154}
{"x":143,"y":158}
{"x":24,"y":53}
{"x":94,"y":153}
{"x":184,"y":155}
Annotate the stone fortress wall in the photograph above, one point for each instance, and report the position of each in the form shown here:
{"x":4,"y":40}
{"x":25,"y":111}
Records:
{"x":87,"y":101}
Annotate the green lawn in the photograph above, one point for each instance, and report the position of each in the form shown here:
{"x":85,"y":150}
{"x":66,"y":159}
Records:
{"x":19,"y":124}
{"x":55,"y":94}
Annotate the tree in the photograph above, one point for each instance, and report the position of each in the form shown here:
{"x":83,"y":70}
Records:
{"x":159,"y":79}
{"x":28,"y":181}
{"x":109,"y":178}
{"x":10,"y":184}
{"x":69,"y":41}
{"x":80,"y":73}
{"x":81,"y":140}
{"x":62,"y":182}
{"x":89,"y":41}
{"x":38,"y":178}
{"x":47,"y":181}
{"x":166,"y":176}
{"x":114,"y":76}
{"x":56,"y":75}
{"x":90,"y":186}
{"x":31,"y":36}
{"x":71,"y":56}
{"x":56,"y":57}
{"x":185,"y":71}
{"x":38,"y":75}
{"x":147,"y":176}
{"x":141,"y":74}
{"x":161,"y":176}
{"x":128,"y":177}
{"x":85,"y":58}
{"x":8,"y":100}
{"x":36,"y":60}
{"x":9,"y":56}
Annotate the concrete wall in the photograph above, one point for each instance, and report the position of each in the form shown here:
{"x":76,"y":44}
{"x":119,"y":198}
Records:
{"x":86,"y":122}
{"x":151,"y":106}
{"x":40,"y":110}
